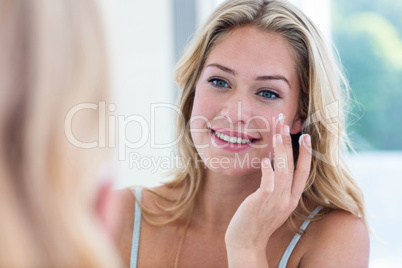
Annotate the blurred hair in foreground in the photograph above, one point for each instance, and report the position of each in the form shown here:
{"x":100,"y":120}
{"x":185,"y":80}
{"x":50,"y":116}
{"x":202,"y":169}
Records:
{"x":52,"y":57}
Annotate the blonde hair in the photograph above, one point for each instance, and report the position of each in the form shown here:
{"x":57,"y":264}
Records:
{"x":321,"y":106}
{"x":52,"y":57}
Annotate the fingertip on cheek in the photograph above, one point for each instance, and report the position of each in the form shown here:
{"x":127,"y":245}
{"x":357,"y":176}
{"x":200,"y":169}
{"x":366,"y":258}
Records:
{"x":266,"y":162}
{"x":286,"y":130}
{"x":306,"y":138}
{"x":279,"y":138}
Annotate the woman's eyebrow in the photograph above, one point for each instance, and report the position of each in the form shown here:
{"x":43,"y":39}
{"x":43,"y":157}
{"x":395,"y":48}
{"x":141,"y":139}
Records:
{"x":274,"y":77}
{"x":259,"y":78}
{"x":223,"y":68}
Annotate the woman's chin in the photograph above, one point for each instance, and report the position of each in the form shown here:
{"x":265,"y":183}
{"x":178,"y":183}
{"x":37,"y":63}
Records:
{"x":233,"y":170}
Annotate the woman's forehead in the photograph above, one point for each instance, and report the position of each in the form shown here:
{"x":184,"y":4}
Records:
{"x":252,"y":52}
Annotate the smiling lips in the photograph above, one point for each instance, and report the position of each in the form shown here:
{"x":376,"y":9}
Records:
{"x":233,"y":137}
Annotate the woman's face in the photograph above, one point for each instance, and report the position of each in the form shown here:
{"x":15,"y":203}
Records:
{"x":248,"y":79}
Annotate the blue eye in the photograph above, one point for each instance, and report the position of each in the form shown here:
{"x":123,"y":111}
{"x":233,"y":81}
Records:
{"x":218,"y":82}
{"x":268,"y":94}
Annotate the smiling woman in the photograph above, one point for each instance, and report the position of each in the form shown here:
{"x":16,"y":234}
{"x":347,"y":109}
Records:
{"x":245,"y":83}
{"x":255,"y":78}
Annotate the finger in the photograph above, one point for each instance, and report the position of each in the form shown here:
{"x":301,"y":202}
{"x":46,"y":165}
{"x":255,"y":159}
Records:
{"x":287,"y":142}
{"x":280,"y":164}
{"x":303,"y":166}
{"x":267,"y":179}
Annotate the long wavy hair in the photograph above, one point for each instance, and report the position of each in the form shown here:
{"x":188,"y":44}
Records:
{"x":52,"y":57}
{"x":324,"y":93}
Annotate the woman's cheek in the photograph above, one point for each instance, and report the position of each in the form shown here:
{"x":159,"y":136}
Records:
{"x":205,"y":109}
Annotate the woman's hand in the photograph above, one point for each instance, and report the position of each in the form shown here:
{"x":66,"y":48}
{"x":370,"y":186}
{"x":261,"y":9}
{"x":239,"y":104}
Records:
{"x":265,"y":210}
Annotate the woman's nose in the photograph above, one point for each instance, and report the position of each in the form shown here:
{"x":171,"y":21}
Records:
{"x":237,"y":109}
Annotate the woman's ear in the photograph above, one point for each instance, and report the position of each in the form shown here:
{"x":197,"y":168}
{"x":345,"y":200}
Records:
{"x":297,"y":126}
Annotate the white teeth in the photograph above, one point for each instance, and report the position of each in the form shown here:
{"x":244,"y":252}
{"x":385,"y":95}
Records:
{"x":230,"y":139}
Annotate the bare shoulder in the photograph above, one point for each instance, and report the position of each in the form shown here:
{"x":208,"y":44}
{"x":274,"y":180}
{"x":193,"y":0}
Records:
{"x":123,"y":235}
{"x":126,"y":198}
{"x":339,"y":239}
{"x":127,"y":202}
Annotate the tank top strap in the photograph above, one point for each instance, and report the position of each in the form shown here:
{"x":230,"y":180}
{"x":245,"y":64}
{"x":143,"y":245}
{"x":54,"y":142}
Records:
{"x":293,"y":243}
{"x":136,"y":229}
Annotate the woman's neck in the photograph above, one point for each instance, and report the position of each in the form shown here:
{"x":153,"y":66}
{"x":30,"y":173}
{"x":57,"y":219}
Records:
{"x":219,"y":197}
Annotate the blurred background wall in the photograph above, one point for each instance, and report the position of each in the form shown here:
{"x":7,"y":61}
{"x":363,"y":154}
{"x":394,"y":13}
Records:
{"x":147,"y":37}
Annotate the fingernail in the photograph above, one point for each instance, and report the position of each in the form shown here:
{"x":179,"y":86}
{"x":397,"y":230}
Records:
{"x":281,"y":118}
{"x":300,"y":138}
{"x":266,"y":162}
{"x":279,"y":138}
{"x":307,"y":140}
{"x":286,"y":130}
